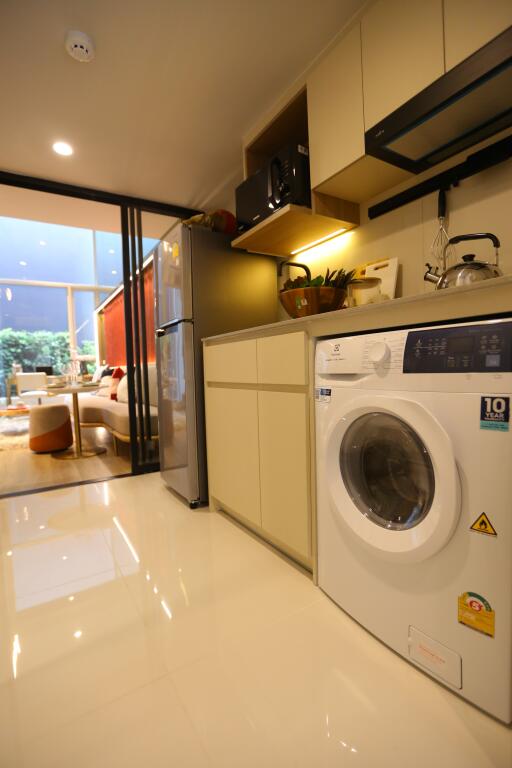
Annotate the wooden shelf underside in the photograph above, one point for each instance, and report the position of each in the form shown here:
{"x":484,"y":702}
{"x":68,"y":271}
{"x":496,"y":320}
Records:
{"x":289,"y":229}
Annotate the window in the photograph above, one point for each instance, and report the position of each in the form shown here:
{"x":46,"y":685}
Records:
{"x":40,"y":323}
{"x":84,"y":304}
{"x":109,"y":258}
{"x":34,"y":250}
{"x":33,"y":308}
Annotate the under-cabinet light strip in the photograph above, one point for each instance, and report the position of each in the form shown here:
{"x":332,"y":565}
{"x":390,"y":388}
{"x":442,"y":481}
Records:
{"x":317,"y":242}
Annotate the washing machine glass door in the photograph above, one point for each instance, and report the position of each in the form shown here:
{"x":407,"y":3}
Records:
{"x":387,"y":470}
{"x":392,"y":477}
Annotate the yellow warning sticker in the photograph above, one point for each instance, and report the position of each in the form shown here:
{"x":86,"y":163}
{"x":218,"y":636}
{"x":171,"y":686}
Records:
{"x":475,"y":612}
{"x":483,"y":525}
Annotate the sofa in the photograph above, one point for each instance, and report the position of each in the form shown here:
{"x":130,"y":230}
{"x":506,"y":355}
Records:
{"x":99,"y":410}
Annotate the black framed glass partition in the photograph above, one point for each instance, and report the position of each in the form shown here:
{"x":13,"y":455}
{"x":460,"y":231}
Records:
{"x":141,"y":234}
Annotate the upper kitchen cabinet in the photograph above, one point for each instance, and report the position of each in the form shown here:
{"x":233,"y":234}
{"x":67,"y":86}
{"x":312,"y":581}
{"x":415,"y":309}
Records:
{"x":470,"y":24}
{"x":338,"y":164}
{"x":335,"y":110}
{"x":402,"y":53}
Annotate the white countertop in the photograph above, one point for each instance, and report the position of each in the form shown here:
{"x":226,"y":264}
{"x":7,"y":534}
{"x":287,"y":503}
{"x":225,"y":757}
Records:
{"x":482,"y":299}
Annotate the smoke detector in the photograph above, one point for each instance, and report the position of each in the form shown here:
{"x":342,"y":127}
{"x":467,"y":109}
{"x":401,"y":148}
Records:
{"x":80,"y":46}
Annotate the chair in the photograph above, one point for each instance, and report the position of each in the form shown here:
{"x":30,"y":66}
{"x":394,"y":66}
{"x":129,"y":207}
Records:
{"x":29,"y":387}
{"x":49,"y":428}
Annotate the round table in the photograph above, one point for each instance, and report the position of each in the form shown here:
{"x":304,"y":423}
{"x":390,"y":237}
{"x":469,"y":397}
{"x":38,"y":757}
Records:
{"x":78,"y":452}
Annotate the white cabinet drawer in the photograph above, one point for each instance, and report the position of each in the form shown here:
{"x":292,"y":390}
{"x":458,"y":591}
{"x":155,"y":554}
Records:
{"x":282,"y":359}
{"x":232,"y":362}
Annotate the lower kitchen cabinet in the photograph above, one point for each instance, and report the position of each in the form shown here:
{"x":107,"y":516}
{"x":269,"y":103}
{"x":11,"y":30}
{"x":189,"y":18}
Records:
{"x":233,"y":450}
{"x":284,"y":468}
{"x":258,"y":441}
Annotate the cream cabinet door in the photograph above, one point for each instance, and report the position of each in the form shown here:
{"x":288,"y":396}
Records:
{"x":284,"y":469}
{"x":402,"y":53}
{"x":233,"y":451}
{"x":335,"y":109}
{"x":469,"y":24}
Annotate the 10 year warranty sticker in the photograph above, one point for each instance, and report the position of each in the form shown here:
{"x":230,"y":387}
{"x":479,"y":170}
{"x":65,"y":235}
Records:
{"x":476,"y":613}
{"x":322,"y":395}
{"x":495,"y":413}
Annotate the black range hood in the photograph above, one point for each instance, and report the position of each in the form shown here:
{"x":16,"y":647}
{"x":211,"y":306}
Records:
{"x":463,"y":107}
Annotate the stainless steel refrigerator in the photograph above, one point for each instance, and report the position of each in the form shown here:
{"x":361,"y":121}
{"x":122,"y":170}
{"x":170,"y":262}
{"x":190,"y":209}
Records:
{"x":203,"y":287}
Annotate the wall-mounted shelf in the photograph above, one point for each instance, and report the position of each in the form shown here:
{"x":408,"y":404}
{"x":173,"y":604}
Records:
{"x":291,"y":229}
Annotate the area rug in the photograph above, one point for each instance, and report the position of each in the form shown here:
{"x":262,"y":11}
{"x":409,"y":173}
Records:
{"x":13,"y":433}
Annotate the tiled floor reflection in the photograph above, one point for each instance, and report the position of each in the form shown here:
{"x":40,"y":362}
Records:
{"x":135,"y":632}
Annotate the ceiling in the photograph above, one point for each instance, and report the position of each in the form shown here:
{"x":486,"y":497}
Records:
{"x":26,"y":204}
{"x":175,"y":84}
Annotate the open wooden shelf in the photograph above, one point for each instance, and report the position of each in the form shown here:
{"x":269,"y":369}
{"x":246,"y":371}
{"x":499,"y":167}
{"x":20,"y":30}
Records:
{"x":289,"y":229}
{"x":292,"y":227}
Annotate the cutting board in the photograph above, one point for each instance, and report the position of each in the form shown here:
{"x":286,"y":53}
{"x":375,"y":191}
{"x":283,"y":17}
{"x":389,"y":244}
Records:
{"x":386,"y":270}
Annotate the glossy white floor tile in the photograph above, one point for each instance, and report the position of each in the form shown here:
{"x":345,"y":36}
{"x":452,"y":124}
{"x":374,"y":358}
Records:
{"x":137,"y":632}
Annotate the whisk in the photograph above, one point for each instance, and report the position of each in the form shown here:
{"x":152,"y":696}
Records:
{"x":440,"y":249}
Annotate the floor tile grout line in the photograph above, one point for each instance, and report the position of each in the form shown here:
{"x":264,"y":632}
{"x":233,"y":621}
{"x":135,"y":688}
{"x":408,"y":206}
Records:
{"x":104,"y":704}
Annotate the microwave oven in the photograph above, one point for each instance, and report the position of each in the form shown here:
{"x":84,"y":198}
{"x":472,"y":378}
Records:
{"x":283,"y":180}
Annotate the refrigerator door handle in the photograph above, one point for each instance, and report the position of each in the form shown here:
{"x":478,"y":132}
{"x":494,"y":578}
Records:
{"x":177,"y":409}
{"x":161,"y":330}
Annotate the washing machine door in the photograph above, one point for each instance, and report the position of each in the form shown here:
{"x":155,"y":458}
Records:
{"x":393,"y":477}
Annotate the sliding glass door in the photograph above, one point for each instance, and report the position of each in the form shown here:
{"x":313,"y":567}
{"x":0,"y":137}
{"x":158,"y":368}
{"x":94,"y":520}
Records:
{"x":141,"y":235}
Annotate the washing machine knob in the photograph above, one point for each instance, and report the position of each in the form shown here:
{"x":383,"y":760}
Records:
{"x":379,"y":353}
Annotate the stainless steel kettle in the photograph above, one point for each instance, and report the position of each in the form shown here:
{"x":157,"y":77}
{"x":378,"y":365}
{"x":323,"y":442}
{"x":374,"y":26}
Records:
{"x":469,"y":270}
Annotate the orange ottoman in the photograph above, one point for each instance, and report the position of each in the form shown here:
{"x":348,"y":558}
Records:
{"x":50,"y":428}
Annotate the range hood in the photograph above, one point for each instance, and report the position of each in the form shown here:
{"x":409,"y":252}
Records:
{"x":463,"y":107}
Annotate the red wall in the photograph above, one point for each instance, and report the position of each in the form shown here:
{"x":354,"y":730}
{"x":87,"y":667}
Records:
{"x":113,"y":324}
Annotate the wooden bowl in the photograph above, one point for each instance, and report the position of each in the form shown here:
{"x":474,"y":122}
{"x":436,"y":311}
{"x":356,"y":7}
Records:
{"x":302,"y":302}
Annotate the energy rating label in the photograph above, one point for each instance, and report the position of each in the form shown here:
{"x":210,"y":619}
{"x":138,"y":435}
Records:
{"x":476,"y":613}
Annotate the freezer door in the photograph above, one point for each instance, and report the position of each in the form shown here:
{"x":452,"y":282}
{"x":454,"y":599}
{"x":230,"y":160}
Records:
{"x":177,"y":410}
{"x":173,"y":283}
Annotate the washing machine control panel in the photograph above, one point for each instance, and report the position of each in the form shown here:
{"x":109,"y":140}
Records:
{"x":484,"y":348}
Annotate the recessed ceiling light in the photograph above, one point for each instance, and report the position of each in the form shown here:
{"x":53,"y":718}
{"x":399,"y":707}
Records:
{"x":77,"y":634}
{"x":42,"y":242}
{"x":22,"y":263}
{"x":62,"y":148}
{"x":9,"y":553}
{"x":114,"y":271}
{"x":111,"y":250}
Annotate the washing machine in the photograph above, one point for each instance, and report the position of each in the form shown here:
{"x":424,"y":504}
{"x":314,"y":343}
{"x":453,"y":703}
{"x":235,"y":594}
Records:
{"x":414,"y":497}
